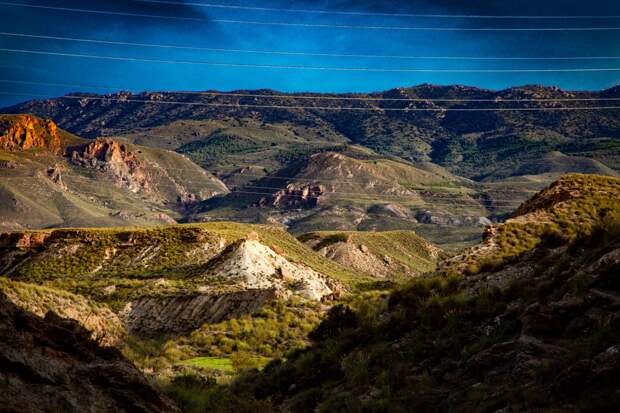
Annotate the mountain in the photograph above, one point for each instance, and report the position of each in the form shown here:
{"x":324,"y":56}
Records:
{"x":538,"y":333}
{"x":49,"y":177}
{"x":51,"y":364}
{"x":470,"y":144}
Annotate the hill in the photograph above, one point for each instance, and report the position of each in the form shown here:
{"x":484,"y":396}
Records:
{"x":567,"y":209}
{"x":359,"y":191}
{"x":49,"y":178}
{"x":389,"y":254}
{"x":539,"y":333}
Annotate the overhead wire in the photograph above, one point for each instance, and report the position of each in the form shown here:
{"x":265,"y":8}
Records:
{"x":369,"y":13}
{"x":312,"y":68}
{"x":309,"y":25}
{"x":324,"y":108}
{"x":297,"y":53}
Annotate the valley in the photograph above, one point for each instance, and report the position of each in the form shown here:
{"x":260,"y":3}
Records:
{"x":209,"y":258}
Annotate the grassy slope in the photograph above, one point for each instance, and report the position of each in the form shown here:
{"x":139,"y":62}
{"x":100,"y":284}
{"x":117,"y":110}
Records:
{"x":87,"y":260}
{"x":568,"y":208}
{"x":403,"y":247}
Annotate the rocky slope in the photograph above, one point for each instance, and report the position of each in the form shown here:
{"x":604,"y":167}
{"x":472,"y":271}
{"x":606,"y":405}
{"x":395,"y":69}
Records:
{"x":104,"y":325}
{"x":49,"y":177}
{"x":539,"y":333}
{"x":566,"y":209}
{"x":358,"y":191}
{"x":171,"y":280}
{"x":50,"y":364}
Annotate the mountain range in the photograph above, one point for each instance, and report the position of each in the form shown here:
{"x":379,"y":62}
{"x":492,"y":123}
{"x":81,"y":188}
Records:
{"x":412,"y":157}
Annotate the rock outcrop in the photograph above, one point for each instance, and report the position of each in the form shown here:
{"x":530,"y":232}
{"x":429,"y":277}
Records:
{"x":255,"y":265}
{"x":154,"y":316}
{"x":23,"y":132}
{"x":298,"y":196}
{"x":51,"y":365}
{"x":114,"y":159}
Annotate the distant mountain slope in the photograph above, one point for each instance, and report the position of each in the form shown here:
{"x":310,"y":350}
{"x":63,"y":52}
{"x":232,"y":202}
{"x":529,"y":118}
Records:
{"x":357,"y":190}
{"x":49,"y":177}
{"x":470,"y":144}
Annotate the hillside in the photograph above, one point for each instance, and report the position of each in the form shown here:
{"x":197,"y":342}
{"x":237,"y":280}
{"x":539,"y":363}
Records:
{"x":169,"y":280}
{"x":389,"y":254}
{"x":538,"y":334}
{"x":50,"y":364}
{"x":361,"y":191}
{"x":470,"y":144}
{"x":50,"y":178}
{"x":567,"y":209}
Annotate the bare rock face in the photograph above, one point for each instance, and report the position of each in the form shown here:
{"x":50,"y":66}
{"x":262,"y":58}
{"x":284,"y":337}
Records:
{"x":51,"y":365}
{"x":25,"y":132}
{"x":298,"y":196}
{"x":115,"y":159}
{"x":154,"y":316}
{"x":256,"y":265}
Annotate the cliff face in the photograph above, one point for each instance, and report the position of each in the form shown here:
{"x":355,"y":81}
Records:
{"x":51,"y":365}
{"x":23,"y":132}
{"x":154,"y":316}
{"x":115,"y":159}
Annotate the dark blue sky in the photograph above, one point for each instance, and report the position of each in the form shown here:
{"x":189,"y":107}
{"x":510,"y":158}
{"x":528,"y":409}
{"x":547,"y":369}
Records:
{"x":204,"y":32}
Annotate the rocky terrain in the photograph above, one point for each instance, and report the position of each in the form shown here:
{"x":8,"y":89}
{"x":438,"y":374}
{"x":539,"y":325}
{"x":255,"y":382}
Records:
{"x":49,"y":178}
{"x":50,"y":364}
{"x":167,"y":280}
{"x":29,"y":132}
{"x":437,"y":168}
{"x":538,"y":332}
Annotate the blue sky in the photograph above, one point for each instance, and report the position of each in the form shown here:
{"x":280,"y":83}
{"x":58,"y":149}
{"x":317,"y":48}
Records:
{"x":204,"y":32}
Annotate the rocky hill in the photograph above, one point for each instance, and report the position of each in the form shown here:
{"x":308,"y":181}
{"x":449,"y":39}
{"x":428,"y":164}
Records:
{"x":538,"y":333}
{"x":50,"y":364}
{"x":567,"y":209}
{"x":49,"y":178}
{"x":173,"y":279}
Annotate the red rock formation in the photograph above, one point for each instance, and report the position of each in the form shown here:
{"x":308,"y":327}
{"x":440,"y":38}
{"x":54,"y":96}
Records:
{"x":116,"y":160}
{"x":23,"y":132}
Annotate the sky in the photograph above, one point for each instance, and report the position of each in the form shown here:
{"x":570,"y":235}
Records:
{"x":315,"y":34}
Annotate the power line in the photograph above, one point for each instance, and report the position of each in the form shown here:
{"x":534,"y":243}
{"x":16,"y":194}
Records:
{"x":313,"y":68}
{"x":316,"y":97}
{"x":366,"y":13}
{"x":363,"y":109}
{"x":295,"y":53}
{"x":313,"y":25}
